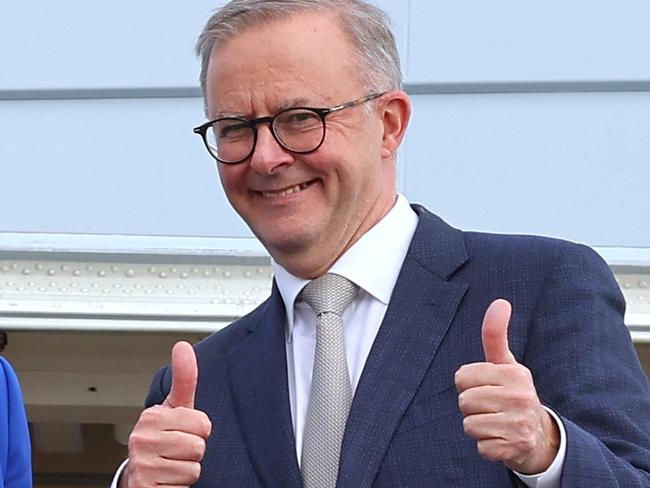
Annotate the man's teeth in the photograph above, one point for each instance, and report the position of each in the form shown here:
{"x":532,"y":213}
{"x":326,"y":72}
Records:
{"x":284,"y":193}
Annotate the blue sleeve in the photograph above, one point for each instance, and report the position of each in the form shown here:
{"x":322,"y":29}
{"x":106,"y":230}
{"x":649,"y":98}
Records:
{"x":15,"y":449}
{"x":585,"y":367}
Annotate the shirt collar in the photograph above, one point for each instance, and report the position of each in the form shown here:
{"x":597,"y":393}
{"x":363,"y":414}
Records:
{"x":388,"y":241}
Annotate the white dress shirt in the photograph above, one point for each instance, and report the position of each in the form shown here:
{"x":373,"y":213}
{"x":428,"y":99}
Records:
{"x":373,"y":263}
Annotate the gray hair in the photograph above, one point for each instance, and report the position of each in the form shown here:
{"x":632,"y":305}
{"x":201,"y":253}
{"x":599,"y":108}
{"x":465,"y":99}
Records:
{"x":367,"y":26}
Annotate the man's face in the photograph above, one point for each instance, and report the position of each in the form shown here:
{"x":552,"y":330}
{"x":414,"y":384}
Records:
{"x":307,"y":209}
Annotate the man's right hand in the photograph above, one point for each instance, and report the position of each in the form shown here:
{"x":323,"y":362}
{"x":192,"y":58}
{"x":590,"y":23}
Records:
{"x":168,"y":442}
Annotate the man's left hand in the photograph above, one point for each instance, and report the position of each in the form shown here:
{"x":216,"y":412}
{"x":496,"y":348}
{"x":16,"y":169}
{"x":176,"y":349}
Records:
{"x":500,"y":404}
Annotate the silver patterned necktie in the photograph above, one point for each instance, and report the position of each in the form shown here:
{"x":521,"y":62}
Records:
{"x":331,"y":392}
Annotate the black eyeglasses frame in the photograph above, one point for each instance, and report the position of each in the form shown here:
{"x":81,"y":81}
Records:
{"x":253,"y":123}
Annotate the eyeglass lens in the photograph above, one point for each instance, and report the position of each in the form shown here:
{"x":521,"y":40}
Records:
{"x":298,"y":130}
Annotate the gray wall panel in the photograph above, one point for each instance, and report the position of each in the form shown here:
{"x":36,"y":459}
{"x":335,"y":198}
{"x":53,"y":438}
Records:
{"x":80,"y":44}
{"x":567,"y":165}
{"x":109,"y":166}
{"x":505,"y":40}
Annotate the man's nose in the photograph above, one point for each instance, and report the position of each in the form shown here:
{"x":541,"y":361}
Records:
{"x":269,"y":155}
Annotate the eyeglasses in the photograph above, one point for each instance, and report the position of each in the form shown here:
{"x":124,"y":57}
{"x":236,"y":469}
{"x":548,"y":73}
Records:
{"x":301,"y":130}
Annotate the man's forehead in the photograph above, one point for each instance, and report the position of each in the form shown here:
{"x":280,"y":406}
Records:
{"x":318,"y":29}
{"x":228,"y":109}
{"x":304,"y":60}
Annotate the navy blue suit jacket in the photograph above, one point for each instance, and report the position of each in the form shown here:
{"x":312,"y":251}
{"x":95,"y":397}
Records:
{"x":404,"y":427}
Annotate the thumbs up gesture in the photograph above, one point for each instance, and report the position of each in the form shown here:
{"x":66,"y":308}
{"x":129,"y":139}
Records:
{"x":500,"y":404}
{"x":168,"y":441}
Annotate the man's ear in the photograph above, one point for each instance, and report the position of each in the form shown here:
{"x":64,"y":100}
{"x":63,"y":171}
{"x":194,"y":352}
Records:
{"x":396,"y":111}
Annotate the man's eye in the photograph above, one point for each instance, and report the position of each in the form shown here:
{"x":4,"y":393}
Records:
{"x":300,"y":120}
{"x":231,"y":130}
{"x":303,"y":117}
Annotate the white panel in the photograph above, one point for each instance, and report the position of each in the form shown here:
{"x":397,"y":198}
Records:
{"x":208,"y":291}
{"x":110,"y":166}
{"x":573,"y":166}
{"x":102,"y":166}
{"x":85,"y":44}
{"x":508,"y":40}
{"x":79,"y":44}
{"x":160,"y":290}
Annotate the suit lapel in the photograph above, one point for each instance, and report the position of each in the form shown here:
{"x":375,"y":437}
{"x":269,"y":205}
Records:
{"x":421,"y":309}
{"x":258,"y":380}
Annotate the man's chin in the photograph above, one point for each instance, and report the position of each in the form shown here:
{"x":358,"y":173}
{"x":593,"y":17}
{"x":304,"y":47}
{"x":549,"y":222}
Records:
{"x":284,"y":245}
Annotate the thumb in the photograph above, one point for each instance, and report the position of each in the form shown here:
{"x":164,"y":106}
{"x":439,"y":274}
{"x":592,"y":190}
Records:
{"x":495,"y":333}
{"x":184,"y":376}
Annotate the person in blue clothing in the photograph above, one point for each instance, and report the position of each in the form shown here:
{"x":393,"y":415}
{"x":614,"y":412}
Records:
{"x":15,"y":450}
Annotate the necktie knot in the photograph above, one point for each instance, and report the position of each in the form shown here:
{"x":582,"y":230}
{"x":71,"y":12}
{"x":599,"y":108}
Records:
{"x":329,"y":293}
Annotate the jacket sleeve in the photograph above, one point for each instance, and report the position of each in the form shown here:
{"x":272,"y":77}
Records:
{"x":586,"y":369}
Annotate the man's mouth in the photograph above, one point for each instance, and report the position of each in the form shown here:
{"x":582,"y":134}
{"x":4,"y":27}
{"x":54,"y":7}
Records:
{"x":286,"y":191}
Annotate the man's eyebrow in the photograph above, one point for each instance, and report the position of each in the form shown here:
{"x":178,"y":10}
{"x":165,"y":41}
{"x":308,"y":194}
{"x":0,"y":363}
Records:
{"x":295,"y":102}
{"x":222,"y":115}
{"x":291,"y":103}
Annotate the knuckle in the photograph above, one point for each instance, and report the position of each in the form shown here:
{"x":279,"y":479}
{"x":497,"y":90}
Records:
{"x":205,"y":425}
{"x":526,"y":374}
{"x":511,"y":372}
{"x":462,"y":402}
{"x":184,"y":411}
{"x":493,"y":451}
{"x":519,"y":373}
{"x":523,"y":447}
{"x":530,"y":399}
{"x":151,"y":415}
{"x":525,"y":440}
{"x":137,"y":440}
{"x":482,"y":448}
{"x":463,"y":377}
{"x":501,"y":453}
{"x":485,"y":450}
{"x":458,"y":377}
{"x":197,"y":449}
{"x":468,"y":424}
{"x":528,"y":445}
{"x":525,"y":400}
{"x":524,"y":426}
{"x":195,"y":471}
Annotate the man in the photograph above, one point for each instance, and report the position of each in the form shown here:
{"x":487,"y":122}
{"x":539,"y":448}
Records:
{"x":445,"y":393}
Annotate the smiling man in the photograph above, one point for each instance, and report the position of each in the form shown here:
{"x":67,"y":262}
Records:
{"x":456,"y":358}
{"x":307,"y":209}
